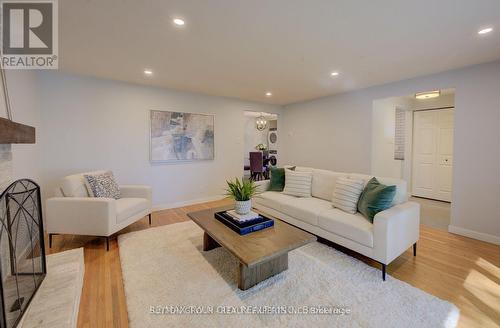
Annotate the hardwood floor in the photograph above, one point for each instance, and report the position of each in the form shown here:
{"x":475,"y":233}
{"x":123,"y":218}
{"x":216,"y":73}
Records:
{"x":461,"y":270}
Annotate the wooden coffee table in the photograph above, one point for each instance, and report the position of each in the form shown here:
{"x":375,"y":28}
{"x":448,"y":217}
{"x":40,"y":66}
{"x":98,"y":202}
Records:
{"x":262,"y":254}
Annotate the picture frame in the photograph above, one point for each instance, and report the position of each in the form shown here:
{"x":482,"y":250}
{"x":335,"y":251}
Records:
{"x":179,"y":137}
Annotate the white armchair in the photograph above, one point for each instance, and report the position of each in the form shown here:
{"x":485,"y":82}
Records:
{"x":73,"y":211}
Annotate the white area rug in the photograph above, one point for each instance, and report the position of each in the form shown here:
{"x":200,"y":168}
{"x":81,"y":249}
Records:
{"x":57,"y":301}
{"x":165,"y":266}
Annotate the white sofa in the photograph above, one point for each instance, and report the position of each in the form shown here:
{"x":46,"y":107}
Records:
{"x":392,"y":232}
{"x":74,"y":212}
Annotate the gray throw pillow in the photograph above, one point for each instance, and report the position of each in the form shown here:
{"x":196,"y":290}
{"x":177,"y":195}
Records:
{"x":102,"y":185}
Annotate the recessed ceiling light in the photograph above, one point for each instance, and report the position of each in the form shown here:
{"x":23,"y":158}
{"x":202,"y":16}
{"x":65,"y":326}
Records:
{"x":334,"y":74}
{"x":485,"y":30}
{"x":268,"y":94}
{"x":179,"y":22}
{"x":148,"y":72}
{"x":428,"y":94}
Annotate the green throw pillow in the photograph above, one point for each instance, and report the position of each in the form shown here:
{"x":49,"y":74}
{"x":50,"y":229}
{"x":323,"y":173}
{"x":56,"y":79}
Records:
{"x":277,"y":182}
{"x":375,"y":198}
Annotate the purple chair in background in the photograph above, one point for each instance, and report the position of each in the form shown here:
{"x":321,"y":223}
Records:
{"x":257,"y":169}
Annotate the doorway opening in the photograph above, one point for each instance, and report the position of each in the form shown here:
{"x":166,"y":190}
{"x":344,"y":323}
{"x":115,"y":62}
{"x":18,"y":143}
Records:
{"x":412,"y":139}
{"x":260,"y":144}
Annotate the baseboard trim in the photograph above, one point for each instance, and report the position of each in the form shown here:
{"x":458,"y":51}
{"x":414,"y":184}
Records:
{"x":474,"y":234}
{"x":187,"y":202}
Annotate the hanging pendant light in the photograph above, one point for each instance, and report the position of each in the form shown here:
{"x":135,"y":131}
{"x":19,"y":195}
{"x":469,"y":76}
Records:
{"x":261,"y":122}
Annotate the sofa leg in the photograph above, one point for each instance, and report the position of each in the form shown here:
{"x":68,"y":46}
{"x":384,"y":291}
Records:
{"x":415,"y":249}
{"x":149,"y":216}
{"x":383,"y":271}
{"x":50,"y":239}
{"x":107,"y":243}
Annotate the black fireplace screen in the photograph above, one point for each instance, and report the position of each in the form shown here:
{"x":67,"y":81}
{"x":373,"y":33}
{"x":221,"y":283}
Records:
{"x":22,"y":251}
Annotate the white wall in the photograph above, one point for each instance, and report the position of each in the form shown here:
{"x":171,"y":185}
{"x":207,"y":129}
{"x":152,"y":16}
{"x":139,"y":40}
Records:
{"x":383,"y":137}
{"x":5,"y":166}
{"x":90,"y":123}
{"x":3,"y":107}
{"x":25,"y":104}
{"x":334,"y":133}
{"x":5,"y":150}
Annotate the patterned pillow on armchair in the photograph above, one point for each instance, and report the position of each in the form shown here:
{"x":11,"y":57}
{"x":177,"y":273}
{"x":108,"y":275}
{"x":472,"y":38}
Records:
{"x":102,"y":185}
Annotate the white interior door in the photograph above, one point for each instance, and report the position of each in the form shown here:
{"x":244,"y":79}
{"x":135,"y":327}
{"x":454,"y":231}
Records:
{"x":433,"y":154}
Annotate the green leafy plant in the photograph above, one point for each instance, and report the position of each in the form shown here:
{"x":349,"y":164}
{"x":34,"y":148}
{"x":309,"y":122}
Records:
{"x":240,"y":190}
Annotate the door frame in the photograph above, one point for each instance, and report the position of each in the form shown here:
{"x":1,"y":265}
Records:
{"x":408,"y":164}
{"x":248,"y":113}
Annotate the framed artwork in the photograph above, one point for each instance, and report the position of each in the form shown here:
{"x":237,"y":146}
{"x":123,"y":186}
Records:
{"x":180,"y":137}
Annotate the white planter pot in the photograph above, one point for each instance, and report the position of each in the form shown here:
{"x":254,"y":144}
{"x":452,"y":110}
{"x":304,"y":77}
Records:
{"x":243,"y":207}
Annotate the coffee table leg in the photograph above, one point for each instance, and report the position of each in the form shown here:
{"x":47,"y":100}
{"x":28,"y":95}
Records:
{"x":209,"y":243}
{"x":249,"y":277}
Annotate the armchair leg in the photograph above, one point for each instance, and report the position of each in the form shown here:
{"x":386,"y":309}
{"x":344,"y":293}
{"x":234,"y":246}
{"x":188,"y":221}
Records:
{"x":383,"y":271}
{"x":149,"y":216}
{"x":107,"y":243}
{"x":415,"y":249}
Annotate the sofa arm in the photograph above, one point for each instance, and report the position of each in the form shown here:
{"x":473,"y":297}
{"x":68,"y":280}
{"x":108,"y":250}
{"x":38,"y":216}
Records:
{"x":395,"y":230}
{"x":262,"y":186}
{"x":136,"y":191}
{"x":81,"y":215}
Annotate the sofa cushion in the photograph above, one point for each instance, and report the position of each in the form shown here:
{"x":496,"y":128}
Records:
{"x":272,"y":199}
{"x":323,"y":183}
{"x":277,"y":181}
{"x":376,"y":197}
{"x":128,"y":207}
{"x":298,"y":183}
{"x":401,"y":186}
{"x":346,"y":194}
{"x":351,"y":226}
{"x":102,"y":185}
{"x":306,"y":209}
{"x":74,"y":185}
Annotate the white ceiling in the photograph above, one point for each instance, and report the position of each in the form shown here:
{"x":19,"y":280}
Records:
{"x":242,"y":48}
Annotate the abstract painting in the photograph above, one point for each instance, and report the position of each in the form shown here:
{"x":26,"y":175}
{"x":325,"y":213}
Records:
{"x":177,"y":137}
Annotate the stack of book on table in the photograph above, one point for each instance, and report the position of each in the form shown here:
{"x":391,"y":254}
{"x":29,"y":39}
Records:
{"x":244,"y":217}
{"x":244,"y":224}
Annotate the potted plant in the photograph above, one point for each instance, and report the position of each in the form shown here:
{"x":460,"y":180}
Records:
{"x":261,"y":147}
{"x":242,"y":192}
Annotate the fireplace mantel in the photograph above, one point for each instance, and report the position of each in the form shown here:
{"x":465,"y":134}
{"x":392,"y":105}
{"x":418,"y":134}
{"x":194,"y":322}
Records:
{"x":16,"y":133}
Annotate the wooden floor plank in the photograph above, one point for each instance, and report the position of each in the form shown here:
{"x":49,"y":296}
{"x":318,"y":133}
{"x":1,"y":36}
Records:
{"x":455,"y":268}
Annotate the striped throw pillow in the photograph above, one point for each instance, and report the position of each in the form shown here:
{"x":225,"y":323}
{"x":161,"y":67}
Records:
{"x":346,"y":194}
{"x":298,"y":183}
